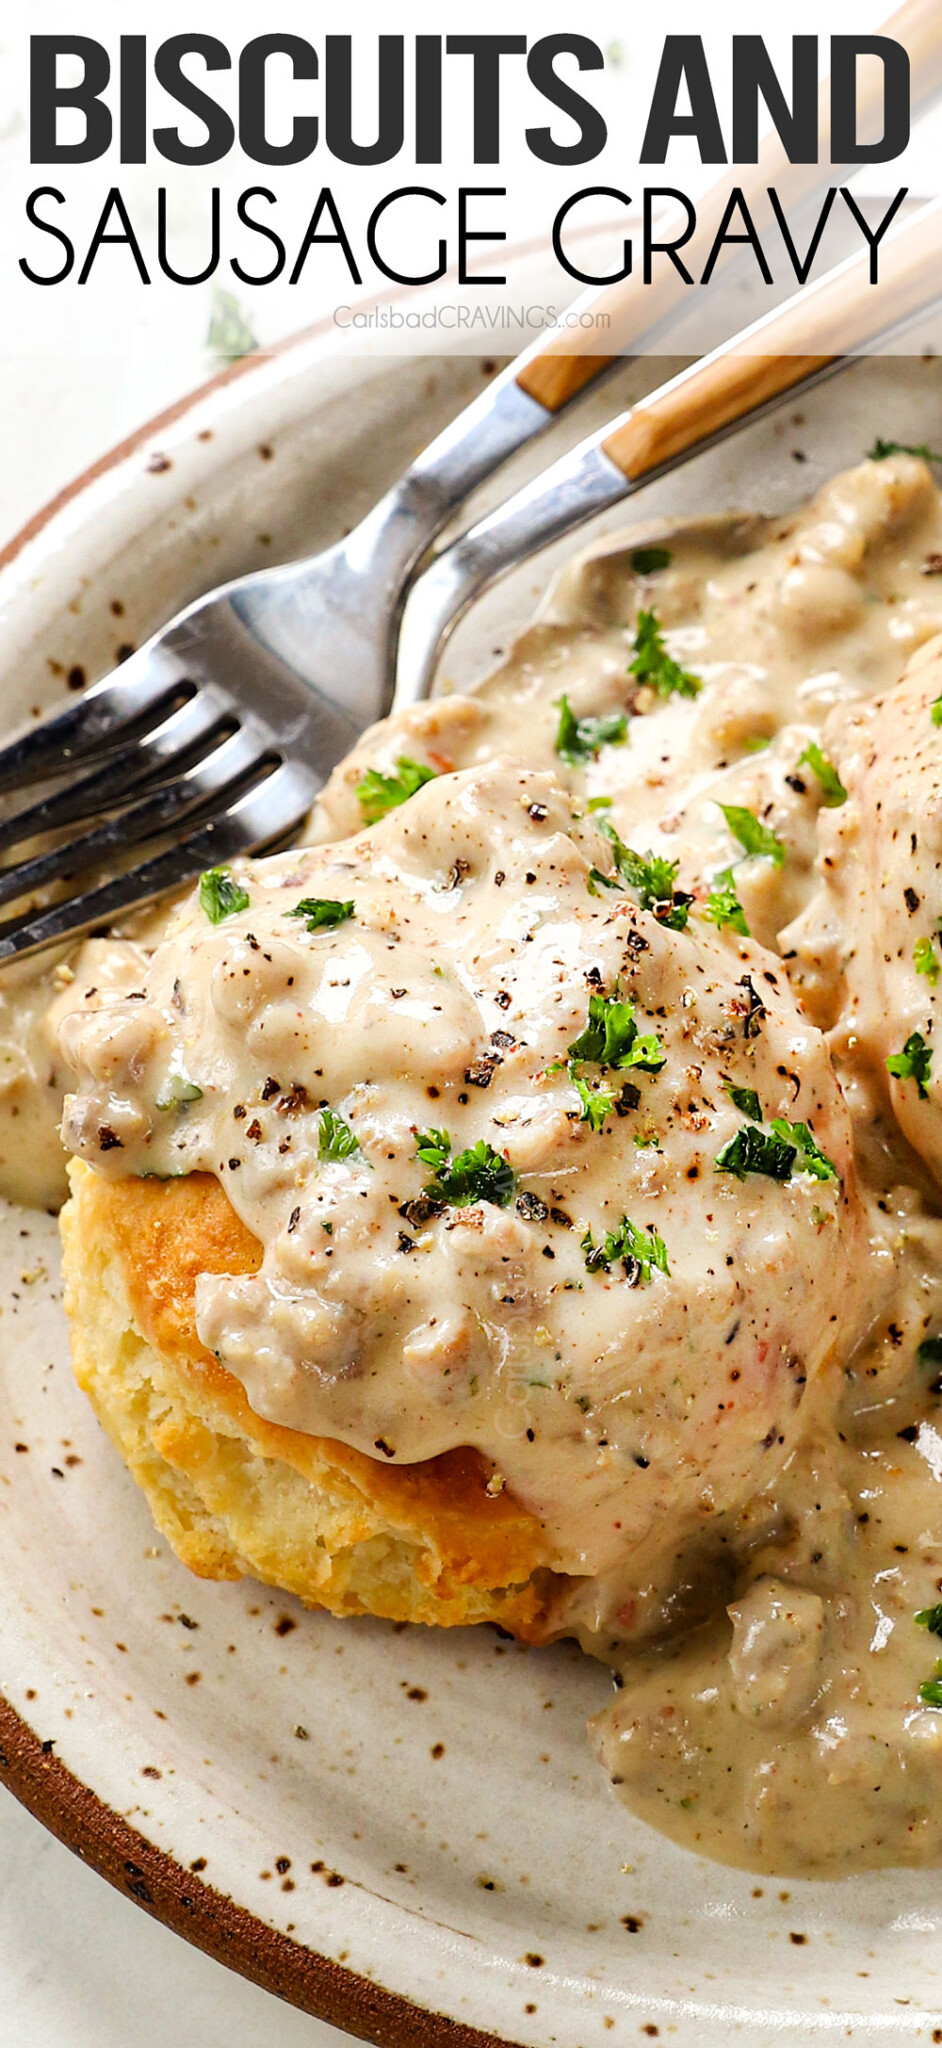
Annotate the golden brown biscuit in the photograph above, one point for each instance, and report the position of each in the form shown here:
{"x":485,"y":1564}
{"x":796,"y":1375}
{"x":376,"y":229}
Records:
{"x":236,"y":1495}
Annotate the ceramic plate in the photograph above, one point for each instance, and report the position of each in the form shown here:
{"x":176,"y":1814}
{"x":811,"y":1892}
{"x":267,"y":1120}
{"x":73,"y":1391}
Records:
{"x":399,"y":1830}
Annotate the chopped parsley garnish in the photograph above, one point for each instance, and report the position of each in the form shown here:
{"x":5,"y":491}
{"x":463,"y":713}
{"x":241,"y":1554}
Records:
{"x":597,"y":1103}
{"x":930,"y":1692}
{"x":929,"y":1352}
{"x":745,"y":1099}
{"x":377,"y":793}
{"x":220,"y":895}
{"x":914,"y":1063}
{"x":579,"y":739}
{"x":753,"y":836}
{"x":639,"y":1251}
{"x":477,"y":1175}
{"x":647,"y":561}
{"x":811,"y":1159}
{"x":335,"y":1140}
{"x":178,"y":1091}
{"x":432,"y":1148}
{"x":651,"y":875}
{"x":322,"y":912}
{"x":229,"y":332}
{"x":925,"y":960}
{"x":654,"y":666}
{"x":881,"y":449}
{"x":782,"y":1150}
{"x":832,"y":787}
{"x":935,"y":711}
{"x":930,"y":1618}
{"x":753,"y":1150}
{"x":722,"y":906}
{"x":612,"y":1039}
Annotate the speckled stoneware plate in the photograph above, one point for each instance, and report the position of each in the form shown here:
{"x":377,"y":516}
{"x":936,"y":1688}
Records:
{"x":400,"y":1830}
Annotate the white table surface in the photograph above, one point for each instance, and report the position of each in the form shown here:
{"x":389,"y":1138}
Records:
{"x":80,"y":1966}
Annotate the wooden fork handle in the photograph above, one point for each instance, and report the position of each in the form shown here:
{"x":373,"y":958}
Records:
{"x":840,"y":314}
{"x":615,"y":317}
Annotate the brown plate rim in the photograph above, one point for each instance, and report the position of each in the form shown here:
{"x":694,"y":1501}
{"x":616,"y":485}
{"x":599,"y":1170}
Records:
{"x":72,"y":1811}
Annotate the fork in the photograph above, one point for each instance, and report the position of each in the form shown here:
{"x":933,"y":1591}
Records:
{"x":224,"y":726}
{"x":794,"y":347}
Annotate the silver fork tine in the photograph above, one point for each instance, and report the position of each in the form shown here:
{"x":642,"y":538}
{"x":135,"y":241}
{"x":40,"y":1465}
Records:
{"x":262,"y":817}
{"x":99,"y":722}
{"x":163,"y":749}
{"x":239,"y":757}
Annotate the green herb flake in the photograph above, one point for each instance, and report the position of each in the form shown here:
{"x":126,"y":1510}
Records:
{"x":639,"y":1251}
{"x":810,"y":1158}
{"x":881,"y":449}
{"x":722,"y":906}
{"x":930,"y":1618}
{"x":597,"y":1103}
{"x":925,"y":960}
{"x":654,"y":666}
{"x":335,"y":1140}
{"x":914,"y":1063}
{"x":753,"y":1150}
{"x":651,"y":875}
{"x":753,"y":836}
{"x":178,"y":1092}
{"x":745,"y":1099}
{"x":599,"y":803}
{"x":647,"y":561}
{"x":322,"y":912}
{"x":221,"y":895}
{"x":832,"y":787}
{"x":929,"y":1352}
{"x":229,"y":334}
{"x":432,"y":1149}
{"x":477,"y":1175}
{"x":579,"y":739}
{"x":935,"y":711}
{"x":377,"y":794}
{"x":930,"y":1692}
{"x":611,"y":1038}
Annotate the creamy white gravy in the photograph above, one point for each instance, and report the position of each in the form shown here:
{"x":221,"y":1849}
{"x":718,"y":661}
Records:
{"x":708,"y":1388}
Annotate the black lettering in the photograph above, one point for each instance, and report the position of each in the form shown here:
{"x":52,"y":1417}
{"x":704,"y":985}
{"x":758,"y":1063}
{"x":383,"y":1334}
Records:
{"x":168,"y":70}
{"x":338,"y":102}
{"x":874,"y":236}
{"x":736,"y":203}
{"x":46,"y":96}
{"x":258,"y":227}
{"x":325,"y":204}
{"x":593,"y":133}
{"x":252,"y":134}
{"x":670,"y":248}
{"x":199,"y":276}
{"x":485,"y":53}
{"x":428,"y":99}
{"x":48,"y":228}
{"x":845,"y":148}
{"x":795,"y":125}
{"x":586,"y":276}
{"x":802,"y":267}
{"x":399,"y":276}
{"x":466,"y":234}
{"x":126,"y":238}
{"x":132,"y":103}
{"x":683,"y":63}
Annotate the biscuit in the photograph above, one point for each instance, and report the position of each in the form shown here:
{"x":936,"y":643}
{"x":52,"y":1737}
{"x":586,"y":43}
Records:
{"x":235,"y":1495}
